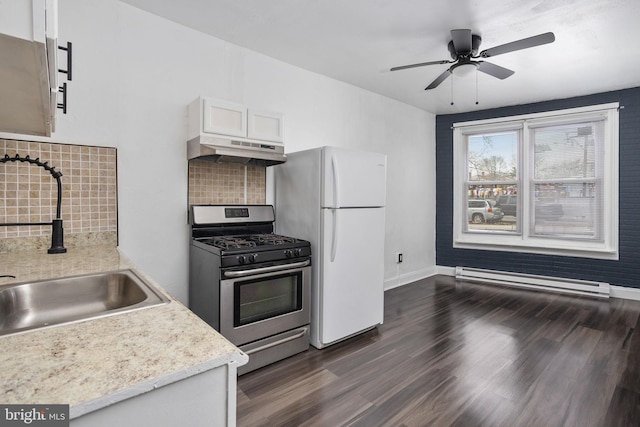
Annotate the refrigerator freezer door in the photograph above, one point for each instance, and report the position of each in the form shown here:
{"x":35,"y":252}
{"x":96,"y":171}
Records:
{"x":352,"y":273}
{"x":353,"y":178}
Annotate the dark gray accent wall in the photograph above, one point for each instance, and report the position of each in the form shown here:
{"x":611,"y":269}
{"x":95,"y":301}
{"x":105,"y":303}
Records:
{"x":622,"y":272}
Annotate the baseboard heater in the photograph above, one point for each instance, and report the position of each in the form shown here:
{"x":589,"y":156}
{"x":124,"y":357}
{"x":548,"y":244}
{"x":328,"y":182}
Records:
{"x":547,"y":283}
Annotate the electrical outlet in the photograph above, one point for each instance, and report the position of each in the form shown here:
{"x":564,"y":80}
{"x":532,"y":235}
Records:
{"x":399,"y":257}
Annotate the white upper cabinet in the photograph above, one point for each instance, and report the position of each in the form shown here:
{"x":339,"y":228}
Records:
{"x":219,"y":117}
{"x":226,"y":118}
{"x":265,"y":125}
{"x":29,"y":69}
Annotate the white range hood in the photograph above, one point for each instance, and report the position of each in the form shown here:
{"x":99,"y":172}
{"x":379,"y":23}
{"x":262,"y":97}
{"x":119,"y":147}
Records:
{"x":235,"y":150}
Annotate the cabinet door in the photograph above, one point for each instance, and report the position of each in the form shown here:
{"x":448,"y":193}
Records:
{"x":265,"y":125}
{"x":223,"y":117}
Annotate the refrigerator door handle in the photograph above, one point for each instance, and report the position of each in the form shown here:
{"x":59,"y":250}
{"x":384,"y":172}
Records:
{"x":336,"y":182}
{"x":334,"y":237}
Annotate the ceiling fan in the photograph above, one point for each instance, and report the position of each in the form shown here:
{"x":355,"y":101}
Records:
{"x":463,"y":48}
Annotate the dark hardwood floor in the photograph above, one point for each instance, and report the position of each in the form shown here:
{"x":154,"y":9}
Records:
{"x":454,"y":353}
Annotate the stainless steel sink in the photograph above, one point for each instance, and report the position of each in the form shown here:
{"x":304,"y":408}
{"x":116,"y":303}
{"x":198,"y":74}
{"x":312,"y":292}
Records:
{"x":34,"y":305}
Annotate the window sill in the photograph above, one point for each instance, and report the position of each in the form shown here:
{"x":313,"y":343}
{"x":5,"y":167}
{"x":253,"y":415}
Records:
{"x":516,"y":244}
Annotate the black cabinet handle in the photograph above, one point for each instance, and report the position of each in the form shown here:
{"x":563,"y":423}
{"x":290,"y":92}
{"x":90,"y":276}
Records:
{"x":69,"y":50}
{"x":63,"y":105}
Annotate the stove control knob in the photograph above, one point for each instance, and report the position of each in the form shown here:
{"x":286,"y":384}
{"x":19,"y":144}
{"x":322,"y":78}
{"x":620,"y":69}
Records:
{"x":288,"y":253}
{"x":297,"y":252}
{"x":241,"y":259}
{"x":252,"y":258}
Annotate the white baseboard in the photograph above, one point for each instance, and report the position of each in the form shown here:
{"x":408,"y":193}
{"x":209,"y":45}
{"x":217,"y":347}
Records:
{"x":446,"y":271}
{"x":625,"y":292}
{"x":405,"y":279}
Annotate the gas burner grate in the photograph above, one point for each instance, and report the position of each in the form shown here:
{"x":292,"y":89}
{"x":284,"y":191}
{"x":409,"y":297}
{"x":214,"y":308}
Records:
{"x":230,"y":242}
{"x":272,"y":239}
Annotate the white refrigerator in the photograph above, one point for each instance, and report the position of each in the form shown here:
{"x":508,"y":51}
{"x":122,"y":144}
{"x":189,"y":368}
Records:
{"x":335,"y":198}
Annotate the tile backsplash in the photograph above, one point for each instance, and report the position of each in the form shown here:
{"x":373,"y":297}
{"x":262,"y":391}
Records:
{"x":28,"y":192}
{"x":226,"y":183}
{"x":89,"y":192}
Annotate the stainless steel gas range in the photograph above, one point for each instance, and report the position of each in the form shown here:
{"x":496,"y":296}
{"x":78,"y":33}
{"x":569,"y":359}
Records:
{"x":251,"y":285}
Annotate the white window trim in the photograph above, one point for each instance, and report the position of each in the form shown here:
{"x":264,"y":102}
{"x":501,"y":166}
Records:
{"x":496,"y":241}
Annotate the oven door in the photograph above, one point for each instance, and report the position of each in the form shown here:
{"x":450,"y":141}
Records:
{"x":259,"y":302}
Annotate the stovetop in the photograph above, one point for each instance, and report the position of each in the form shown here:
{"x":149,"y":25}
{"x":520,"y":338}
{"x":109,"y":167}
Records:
{"x":238,"y":250}
{"x":242,"y":235}
{"x":250,"y":242}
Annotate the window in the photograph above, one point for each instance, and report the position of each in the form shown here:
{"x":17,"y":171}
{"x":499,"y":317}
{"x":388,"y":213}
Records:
{"x":542,"y":183}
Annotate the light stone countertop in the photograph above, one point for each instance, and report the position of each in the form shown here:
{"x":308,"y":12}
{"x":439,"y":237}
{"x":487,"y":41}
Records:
{"x":95,"y":363}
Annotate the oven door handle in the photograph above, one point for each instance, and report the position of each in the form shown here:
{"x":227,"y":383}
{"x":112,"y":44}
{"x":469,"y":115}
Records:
{"x":280,"y":341}
{"x":269,"y":269}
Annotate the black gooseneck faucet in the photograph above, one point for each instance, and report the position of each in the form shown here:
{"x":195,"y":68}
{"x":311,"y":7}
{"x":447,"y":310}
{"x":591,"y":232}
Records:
{"x":57,"y":232}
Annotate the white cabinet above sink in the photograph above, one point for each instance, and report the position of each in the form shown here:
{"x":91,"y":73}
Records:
{"x":28,"y":66}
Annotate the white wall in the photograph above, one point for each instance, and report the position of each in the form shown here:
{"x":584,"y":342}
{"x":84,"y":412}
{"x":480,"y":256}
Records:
{"x":134,"y":74}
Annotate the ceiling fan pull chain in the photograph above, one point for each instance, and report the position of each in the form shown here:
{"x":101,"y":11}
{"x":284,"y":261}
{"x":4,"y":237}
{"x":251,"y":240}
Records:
{"x":476,"y":85}
{"x":451,"y":88}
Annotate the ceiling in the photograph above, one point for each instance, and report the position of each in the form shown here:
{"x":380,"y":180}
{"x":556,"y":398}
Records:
{"x":597,"y":46}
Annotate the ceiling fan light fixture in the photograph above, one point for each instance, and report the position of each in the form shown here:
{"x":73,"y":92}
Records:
{"x":462,"y":70}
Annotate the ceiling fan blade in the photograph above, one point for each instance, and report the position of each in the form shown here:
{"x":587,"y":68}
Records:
{"x":442,"y":77}
{"x":538,"y":40}
{"x":494,"y":70}
{"x":461,"y":40}
{"x":422,"y":64}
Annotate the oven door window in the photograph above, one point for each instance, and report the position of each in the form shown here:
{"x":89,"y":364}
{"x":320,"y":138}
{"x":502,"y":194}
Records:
{"x":267,"y":297}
